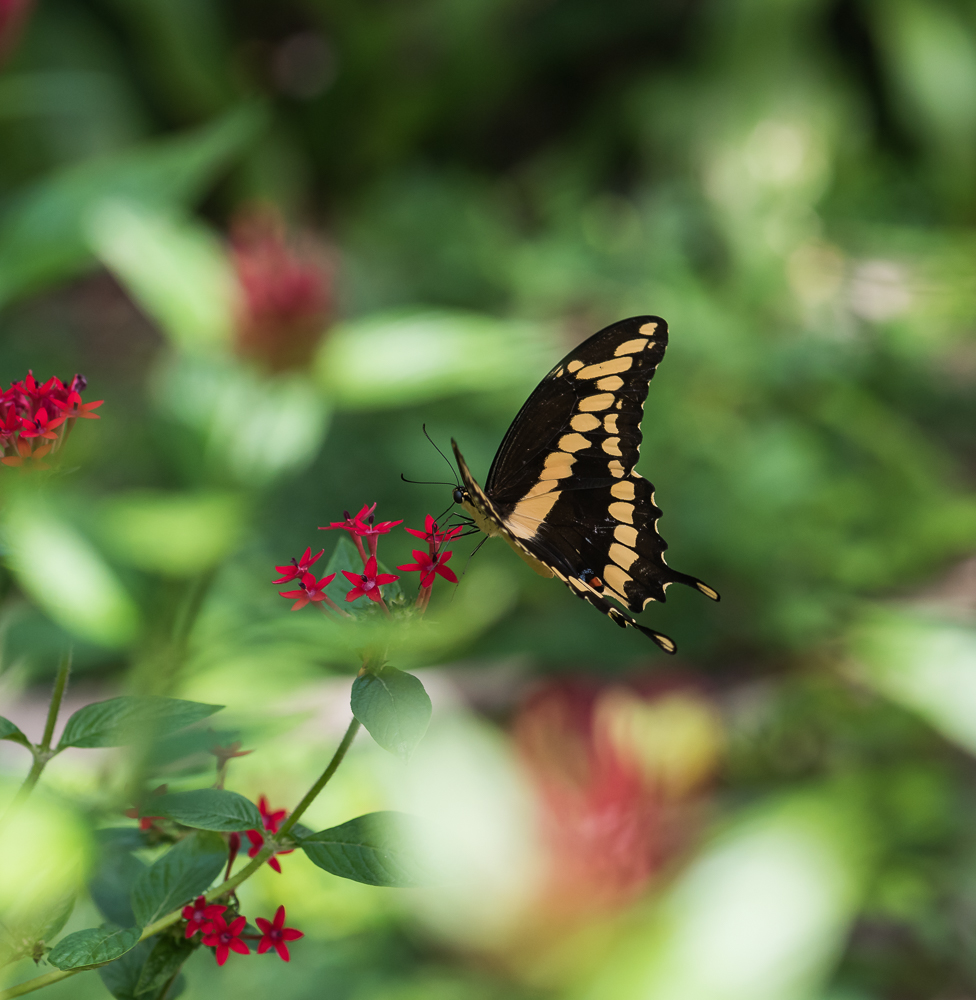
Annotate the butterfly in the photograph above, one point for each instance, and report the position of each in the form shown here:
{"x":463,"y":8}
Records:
{"x":562,"y":490}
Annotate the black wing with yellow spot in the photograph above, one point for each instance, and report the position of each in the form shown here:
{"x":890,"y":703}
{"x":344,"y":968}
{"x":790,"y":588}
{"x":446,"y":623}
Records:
{"x":563,"y":484}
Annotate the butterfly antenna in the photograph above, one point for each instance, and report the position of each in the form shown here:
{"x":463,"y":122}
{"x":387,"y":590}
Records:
{"x":420,"y":482}
{"x":446,"y":459}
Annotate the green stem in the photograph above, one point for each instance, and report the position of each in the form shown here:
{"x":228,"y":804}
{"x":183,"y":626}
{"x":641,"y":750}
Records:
{"x":60,"y":683}
{"x":323,"y":778}
{"x":42,"y":752}
{"x":190,"y":612}
{"x":221,"y":890}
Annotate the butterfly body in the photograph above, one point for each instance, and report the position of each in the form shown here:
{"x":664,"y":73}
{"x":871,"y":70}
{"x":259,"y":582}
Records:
{"x":562,"y":490}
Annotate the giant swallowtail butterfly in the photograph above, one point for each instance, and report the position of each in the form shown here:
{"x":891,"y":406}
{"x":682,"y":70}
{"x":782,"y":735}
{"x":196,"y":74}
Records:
{"x":562,"y":490}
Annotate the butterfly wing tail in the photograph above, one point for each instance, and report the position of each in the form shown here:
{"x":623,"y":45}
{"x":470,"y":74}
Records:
{"x":619,"y":617}
{"x":695,"y":583}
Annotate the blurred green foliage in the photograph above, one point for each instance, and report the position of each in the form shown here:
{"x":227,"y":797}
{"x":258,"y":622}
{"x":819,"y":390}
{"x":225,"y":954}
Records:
{"x":790,"y":184}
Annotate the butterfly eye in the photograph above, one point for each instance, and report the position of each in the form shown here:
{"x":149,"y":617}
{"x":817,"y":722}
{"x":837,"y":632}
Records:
{"x":459,"y":495}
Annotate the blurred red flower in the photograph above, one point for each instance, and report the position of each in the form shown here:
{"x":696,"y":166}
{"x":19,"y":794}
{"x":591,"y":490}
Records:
{"x":13,"y":15}
{"x":618,"y":774}
{"x":285,"y":299}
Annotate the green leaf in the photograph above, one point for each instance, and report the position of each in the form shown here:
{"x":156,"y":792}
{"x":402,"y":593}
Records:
{"x":93,"y":946}
{"x":8,"y":731}
{"x":175,"y":268}
{"x":21,"y":931}
{"x":181,"y":874}
{"x":425,"y":355}
{"x":85,"y":596}
{"x":188,"y":750}
{"x":374,"y":849}
{"x":112,"y":883}
{"x":166,"y":958}
{"x":210,"y":809}
{"x":173,"y":534}
{"x":43,"y":238}
{"x":123,"y":977}
{"x":394,"y":708}
{"x":128,"y":719}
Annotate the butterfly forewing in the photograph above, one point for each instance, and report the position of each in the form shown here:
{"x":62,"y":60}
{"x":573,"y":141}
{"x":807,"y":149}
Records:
{"x":582,"y":422}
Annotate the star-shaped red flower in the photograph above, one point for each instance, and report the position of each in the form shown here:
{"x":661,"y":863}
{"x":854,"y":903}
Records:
{"x":257,"y":842}
{"x":368,"y":528}
{"x":368,"y":582}
{"x":41,"y":425}
{"x":74,"y":407}
{"x":434,"y":538}
{"x":272,"y":820}
{"x":297,"y":569}
{"x":199,"y":914}
{"x":226,"y":938}
{"x":351,"y":522}
{"x":430,"y":566}
{"x":276,"y":934}
{"x":311,"y":590}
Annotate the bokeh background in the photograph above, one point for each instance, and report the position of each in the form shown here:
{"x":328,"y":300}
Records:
{"x":278,"y":238}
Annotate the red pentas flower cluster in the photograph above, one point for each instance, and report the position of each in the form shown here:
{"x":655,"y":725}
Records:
{"x":431,"y":563}
{"x":227,"y":933}
{"x":365,"y":531}
{"x":208,"y":919}
{"x":35,"y":419}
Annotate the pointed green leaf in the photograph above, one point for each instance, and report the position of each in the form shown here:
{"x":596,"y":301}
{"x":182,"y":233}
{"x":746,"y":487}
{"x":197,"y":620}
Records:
{"x":394,"y":708}
{"x":42,"y":235}
{"x":116,"y":873}
{"x":166,"y":958}
{"x":93,"y":946}
{"x":21,"y":931}
{"x":86,"y":595}
{"x":121,"y":721}
{"x":8,"y":731}
{"x":210,"y":809}
{"x":181,"y":874}
{"x":374,"y":849}
{"x":121,"y":977}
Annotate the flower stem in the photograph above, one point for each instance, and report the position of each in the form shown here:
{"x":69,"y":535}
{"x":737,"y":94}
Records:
{"x":42,"y":752}
{"x":335,"y":607}
{"x":423,"y":598}
{"x":223,"y":889}
{"x":60,"y":683}
{"x":323,"y":778}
